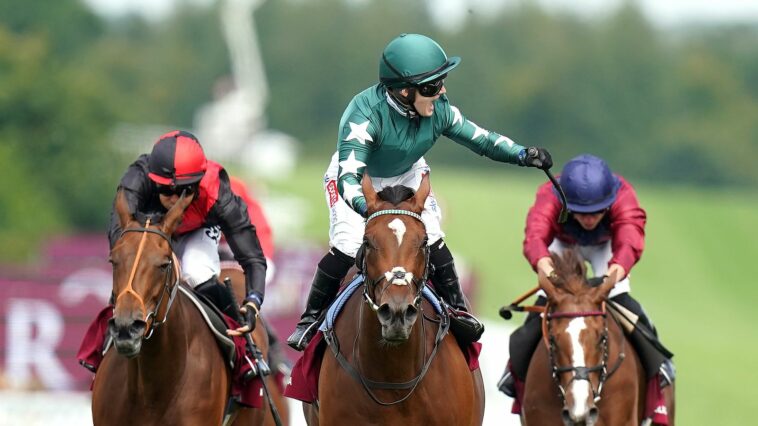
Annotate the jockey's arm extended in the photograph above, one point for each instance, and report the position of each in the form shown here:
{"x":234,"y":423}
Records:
{"x":354,"y":152}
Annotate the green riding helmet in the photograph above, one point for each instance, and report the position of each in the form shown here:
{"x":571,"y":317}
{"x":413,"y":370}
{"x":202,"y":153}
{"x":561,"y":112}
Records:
{"x":413,"y":59}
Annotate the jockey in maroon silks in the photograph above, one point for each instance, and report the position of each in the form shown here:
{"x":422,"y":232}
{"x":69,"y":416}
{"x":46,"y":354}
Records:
{"x":154,"y":182}
{"x":607,"y":226}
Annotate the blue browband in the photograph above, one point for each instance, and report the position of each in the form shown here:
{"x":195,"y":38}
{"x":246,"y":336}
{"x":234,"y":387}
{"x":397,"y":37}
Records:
{"x":394,"y":211}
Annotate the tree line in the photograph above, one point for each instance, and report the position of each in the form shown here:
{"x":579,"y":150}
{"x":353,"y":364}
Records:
{"x":672,"y":106}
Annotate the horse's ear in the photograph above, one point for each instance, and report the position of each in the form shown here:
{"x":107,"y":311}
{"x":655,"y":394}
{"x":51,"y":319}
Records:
{"x":122,"y":209}
{"x":174,"y":216}
{"x":607,"y":285}
{"x":369,"y":192}
{"x":419,"y":198}
{"x":547,"y":284}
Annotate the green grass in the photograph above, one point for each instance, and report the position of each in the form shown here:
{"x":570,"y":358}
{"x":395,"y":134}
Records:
{"x":694,"y":278}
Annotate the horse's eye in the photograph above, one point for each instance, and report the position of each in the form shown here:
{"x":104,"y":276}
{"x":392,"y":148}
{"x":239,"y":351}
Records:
{"x":368,"y":244}
{"x":165,"y":265}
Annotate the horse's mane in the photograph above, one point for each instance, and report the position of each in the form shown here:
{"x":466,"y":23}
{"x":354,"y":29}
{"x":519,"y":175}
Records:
{"x":570,"y":269}
{"x":395,"y":194}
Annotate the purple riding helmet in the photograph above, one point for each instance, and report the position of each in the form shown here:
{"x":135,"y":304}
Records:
{"x":589,"y":184}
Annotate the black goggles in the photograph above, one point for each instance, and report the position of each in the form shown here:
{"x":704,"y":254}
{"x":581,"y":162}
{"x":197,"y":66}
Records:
{"x":596,"y":212}
{"x":171,"y":190}
{"x":432,"y":88}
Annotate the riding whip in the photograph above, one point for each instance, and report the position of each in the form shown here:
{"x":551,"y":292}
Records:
{"x":564,"y":204}
{"x":263,"y":368}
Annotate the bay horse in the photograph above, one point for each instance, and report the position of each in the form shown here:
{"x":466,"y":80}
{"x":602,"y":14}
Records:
{"x":262,"y":416}
{"x":164,"y":367}
{"x":394,"y":366}
{"x":586,"y":372}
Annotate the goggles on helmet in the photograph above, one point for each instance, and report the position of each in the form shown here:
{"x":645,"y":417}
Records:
{"x":171,"y":190}
{"x":432,"y":88}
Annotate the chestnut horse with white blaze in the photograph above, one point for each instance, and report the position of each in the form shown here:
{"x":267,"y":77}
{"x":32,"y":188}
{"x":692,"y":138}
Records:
{"x":394,"y":366}
{"x":586,"y":372}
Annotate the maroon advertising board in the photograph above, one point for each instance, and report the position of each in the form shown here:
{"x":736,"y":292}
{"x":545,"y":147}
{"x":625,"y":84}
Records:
{"x":46,"y":307}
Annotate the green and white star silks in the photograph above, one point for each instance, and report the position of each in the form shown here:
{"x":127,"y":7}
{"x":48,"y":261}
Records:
{"x":377,"y":137}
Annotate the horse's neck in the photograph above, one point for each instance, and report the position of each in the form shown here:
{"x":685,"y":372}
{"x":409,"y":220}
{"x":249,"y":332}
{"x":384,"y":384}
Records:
{"x":401,"y":362}
{"x":164,"y":356}
{"x":616,"y":338}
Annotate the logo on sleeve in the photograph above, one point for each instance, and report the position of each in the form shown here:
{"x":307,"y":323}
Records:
{"x":331,"y":189}
{"x":213,"y":232}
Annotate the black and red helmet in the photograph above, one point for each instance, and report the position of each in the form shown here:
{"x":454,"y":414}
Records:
{"x":177,"y":159}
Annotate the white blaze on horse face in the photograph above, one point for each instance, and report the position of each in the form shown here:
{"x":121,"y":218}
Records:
{"x":398,"y":228}
{"x":399,"y":276}
{"x":579,"y":389}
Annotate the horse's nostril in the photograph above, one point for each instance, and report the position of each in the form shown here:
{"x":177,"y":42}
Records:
{"x":411,"y":313}
{"x":137,"y":327}
{"x":592,"y":416}
{"x":566,"y":417}
{"x":384,"y":313}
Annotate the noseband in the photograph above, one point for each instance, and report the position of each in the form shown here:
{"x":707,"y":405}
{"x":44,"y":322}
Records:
{"x":150,"y":321}
{"x":395,"y":274}
{"x":582,"y":372}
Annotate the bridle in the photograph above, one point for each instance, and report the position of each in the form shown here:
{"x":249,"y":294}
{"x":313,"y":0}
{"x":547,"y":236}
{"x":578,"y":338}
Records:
{"x":582,"y":372}
{"x":391,"y":276}
{"x":151,"y":323}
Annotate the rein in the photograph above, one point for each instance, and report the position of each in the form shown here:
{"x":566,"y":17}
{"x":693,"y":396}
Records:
{"x":582,"y":372}
{"x":150,"y":322}
{"x":420,"y":282}
{"x":368,"y":384}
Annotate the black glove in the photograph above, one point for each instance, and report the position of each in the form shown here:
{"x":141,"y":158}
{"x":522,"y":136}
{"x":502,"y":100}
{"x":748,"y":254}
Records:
{"x":250,"y":311}
{"x":537,"y":157}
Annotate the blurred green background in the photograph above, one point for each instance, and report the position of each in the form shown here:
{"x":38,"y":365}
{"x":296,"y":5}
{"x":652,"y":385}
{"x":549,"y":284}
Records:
{"x":674,"y":110}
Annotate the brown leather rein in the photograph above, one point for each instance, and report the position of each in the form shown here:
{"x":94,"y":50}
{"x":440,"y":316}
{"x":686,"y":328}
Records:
{"x":151,"y":323}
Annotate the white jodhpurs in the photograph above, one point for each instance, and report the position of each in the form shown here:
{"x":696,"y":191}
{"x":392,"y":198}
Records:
{"x":346,"y":226}
{"x":198,"y":254}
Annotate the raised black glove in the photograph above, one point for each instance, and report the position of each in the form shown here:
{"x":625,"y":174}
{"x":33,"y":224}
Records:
{"x":536,"y":157}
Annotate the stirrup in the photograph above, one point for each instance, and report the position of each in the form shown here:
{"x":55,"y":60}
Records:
{"x":666,"y":373}
{"x":507,"y":384}
{"x":298,"y":341}
{"x":466,"y":327}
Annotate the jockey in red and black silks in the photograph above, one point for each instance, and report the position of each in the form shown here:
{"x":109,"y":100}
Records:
{"x":155,"y":181}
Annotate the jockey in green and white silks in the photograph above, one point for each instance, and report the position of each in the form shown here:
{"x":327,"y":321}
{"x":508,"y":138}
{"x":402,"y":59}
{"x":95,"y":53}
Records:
{"x":385,"y":131}
{"x":382,"y":134}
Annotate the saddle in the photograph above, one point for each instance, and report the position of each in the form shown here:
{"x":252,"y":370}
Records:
{"x":215,"y":320}
{"x":651,"y":351}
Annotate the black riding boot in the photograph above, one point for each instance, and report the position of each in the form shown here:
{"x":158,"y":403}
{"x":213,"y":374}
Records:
{"x":219,"y":296}
{"x":326,"y":283}
{"x":655,"y":358}
{"x":323,"y":291}
{"x":445,"y":279}
{"x":523,"y":342}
